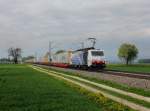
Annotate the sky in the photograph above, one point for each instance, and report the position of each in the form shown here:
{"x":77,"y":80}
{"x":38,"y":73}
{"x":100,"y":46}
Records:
{"x":31,"y":24}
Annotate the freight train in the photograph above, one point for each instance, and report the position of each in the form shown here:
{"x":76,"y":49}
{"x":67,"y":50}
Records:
{"x":82,"y":58}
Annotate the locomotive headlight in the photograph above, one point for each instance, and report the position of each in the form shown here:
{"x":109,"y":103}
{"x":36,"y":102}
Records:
{"x":98,"y":62}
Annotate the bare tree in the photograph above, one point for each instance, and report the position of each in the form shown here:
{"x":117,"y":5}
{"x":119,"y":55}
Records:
{"x":15,"y":53}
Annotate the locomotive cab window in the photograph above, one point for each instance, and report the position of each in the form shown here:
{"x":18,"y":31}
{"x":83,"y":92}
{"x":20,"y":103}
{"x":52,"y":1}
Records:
{"x":97,"y":53}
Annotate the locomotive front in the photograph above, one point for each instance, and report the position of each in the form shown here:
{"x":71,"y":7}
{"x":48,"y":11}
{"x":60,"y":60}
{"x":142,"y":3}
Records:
{"x":96,"y":59}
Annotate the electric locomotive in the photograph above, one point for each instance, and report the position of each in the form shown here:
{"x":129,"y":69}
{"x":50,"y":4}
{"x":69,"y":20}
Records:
{"x":88,"y":58}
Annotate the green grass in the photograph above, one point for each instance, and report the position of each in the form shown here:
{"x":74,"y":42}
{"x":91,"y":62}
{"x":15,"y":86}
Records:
{"x":131,"y":99}
{"x":109,"y":83}
{"x":24,"y":89}
{"x":140,"y":102}
{"x":139,"y":68}
{"x":99,"y":98}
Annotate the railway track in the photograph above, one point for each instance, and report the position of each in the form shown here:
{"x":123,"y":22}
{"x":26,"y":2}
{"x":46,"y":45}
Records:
{"x":119,"y":73}
{"x":127,"y":74}
{"x":116,"y":73}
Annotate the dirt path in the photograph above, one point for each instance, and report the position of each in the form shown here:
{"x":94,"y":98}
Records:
{"x":90,"y":88}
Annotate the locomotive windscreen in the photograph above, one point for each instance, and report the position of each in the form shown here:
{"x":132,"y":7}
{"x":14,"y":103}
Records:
{"x":97,"y":53}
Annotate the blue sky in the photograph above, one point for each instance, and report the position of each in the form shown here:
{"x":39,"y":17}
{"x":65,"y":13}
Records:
{"x":31,"y":24}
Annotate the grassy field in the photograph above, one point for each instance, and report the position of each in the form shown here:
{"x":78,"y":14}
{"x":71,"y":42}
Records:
{"x":115,"y":85}
{"x":109,"y":83}
{"x":140,"y":68}
{"x":24,"y":89}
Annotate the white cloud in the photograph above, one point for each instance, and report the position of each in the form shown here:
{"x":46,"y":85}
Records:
{"x":30,"y":24}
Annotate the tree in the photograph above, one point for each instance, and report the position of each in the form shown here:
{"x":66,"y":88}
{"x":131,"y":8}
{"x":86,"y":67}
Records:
{"x":4,"y":60}
{"x":28,"y":58}
{"x":127,"y":52}
{"x":60,"y":51}
{"x":15,"y":53}
{"x":144,"y":61}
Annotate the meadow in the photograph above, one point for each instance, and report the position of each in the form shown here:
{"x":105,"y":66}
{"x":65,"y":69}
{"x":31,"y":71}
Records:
{"x":139,"y":68}
{"x":24,"y":89}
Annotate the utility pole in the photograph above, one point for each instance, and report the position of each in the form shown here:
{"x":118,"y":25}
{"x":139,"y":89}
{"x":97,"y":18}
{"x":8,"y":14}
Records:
{"x":50,"y":51}
{"x":82,"y":45}
{"x":35,"y":59}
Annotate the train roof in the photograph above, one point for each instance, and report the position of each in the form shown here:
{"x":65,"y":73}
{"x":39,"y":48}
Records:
{"x":84,"y":49}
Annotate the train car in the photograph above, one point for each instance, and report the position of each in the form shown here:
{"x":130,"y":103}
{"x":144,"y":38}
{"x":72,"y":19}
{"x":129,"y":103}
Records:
{"x":88,"y":58}
{"x":62,"y":59}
